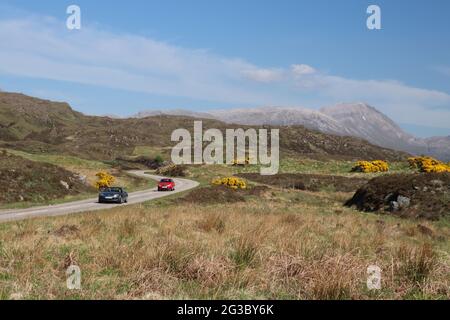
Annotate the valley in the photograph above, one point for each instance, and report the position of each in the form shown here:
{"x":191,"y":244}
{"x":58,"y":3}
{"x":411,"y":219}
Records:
{"x":287,"y":236}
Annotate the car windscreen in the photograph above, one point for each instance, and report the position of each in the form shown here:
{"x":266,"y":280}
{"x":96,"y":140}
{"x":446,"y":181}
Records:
{"x":112,"y":190}
{"x":166,"y":180}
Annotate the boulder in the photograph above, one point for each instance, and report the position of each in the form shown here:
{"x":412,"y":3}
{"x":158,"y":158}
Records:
{"x":64,"y":184}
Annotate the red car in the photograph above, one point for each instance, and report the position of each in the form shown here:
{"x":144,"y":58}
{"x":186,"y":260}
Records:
{"x":166,"y":185}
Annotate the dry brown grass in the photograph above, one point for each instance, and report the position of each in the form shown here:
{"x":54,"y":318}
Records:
{"x":211,"y":222}
{"x":255,"y":249}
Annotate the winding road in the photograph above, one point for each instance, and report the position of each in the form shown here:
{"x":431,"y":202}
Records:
{"x":92,"y":204}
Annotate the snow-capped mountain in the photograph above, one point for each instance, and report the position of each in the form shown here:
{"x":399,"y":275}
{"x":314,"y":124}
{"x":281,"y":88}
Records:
{"x":353,"y":119}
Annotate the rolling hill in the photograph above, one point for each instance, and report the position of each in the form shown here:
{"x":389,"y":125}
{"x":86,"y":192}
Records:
{"x":36,"y":125}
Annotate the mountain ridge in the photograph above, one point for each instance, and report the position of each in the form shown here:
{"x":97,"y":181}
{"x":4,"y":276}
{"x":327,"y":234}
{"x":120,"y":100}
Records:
{"x":346,"y":119}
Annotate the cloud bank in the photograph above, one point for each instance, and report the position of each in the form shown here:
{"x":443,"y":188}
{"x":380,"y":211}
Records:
{"x":42,"y":48}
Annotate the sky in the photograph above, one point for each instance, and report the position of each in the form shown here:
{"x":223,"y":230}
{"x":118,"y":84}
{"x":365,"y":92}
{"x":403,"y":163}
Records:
{"x":136,"y":55}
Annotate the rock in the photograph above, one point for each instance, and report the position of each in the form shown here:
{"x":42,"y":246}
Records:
{"x":82,"y":179}
{"x":64,"y":184}
{"x":394,"y":206}
{"x":388,"y":197}
{"x":403,"y":202}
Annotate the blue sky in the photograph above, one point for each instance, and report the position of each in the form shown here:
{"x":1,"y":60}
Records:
{"x":135,"y":55}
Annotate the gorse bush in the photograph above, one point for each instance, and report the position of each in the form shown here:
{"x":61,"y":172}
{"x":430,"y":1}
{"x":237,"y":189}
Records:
{"x":371,"y":166}
{"x":231,"y":182}
{"x":105,"y":180}
{"x":428,"y":164}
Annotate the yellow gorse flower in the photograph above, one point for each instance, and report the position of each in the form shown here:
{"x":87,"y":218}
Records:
{"x":428,"y":164}
{"x":231,"y":182}
{"x":105,"y":180}
{"x":371,"y":166}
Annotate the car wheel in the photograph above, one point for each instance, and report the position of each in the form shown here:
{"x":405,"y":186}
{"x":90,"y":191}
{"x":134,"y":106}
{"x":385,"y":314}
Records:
{"x":126,"y":200}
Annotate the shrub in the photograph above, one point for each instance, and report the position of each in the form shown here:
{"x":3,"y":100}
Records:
{"x":231,"y":182}
{"x":131,"y":162}
{"x":172,"y":170}
{"x":371,"y":166}
{"x":428,"y":164}
{"x":105,"y":180}
{"x":159,"y":159}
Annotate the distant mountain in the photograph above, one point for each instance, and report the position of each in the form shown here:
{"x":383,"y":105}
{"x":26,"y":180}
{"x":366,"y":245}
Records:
{"x":439,"y":146}
{"x":356,"y":120}
{"x":364,"y":121}
{"x":310,"y":119}
{"x":277,"y":116}
{"x":173,"y":112}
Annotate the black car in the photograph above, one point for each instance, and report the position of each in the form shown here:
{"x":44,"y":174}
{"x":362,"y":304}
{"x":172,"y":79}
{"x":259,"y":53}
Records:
{"x":113,"y":194}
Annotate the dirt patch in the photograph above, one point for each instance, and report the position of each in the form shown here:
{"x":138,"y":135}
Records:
{"x":421,"y":195}
{"x":222,"y":194}
{"x":310,"y":182}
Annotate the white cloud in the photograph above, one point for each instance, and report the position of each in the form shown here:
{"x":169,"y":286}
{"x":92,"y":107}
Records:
{"x":302,"y":69}
{"x":45,"y":49}
{"x":42,"y":48}
{"x":263,"y":75}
